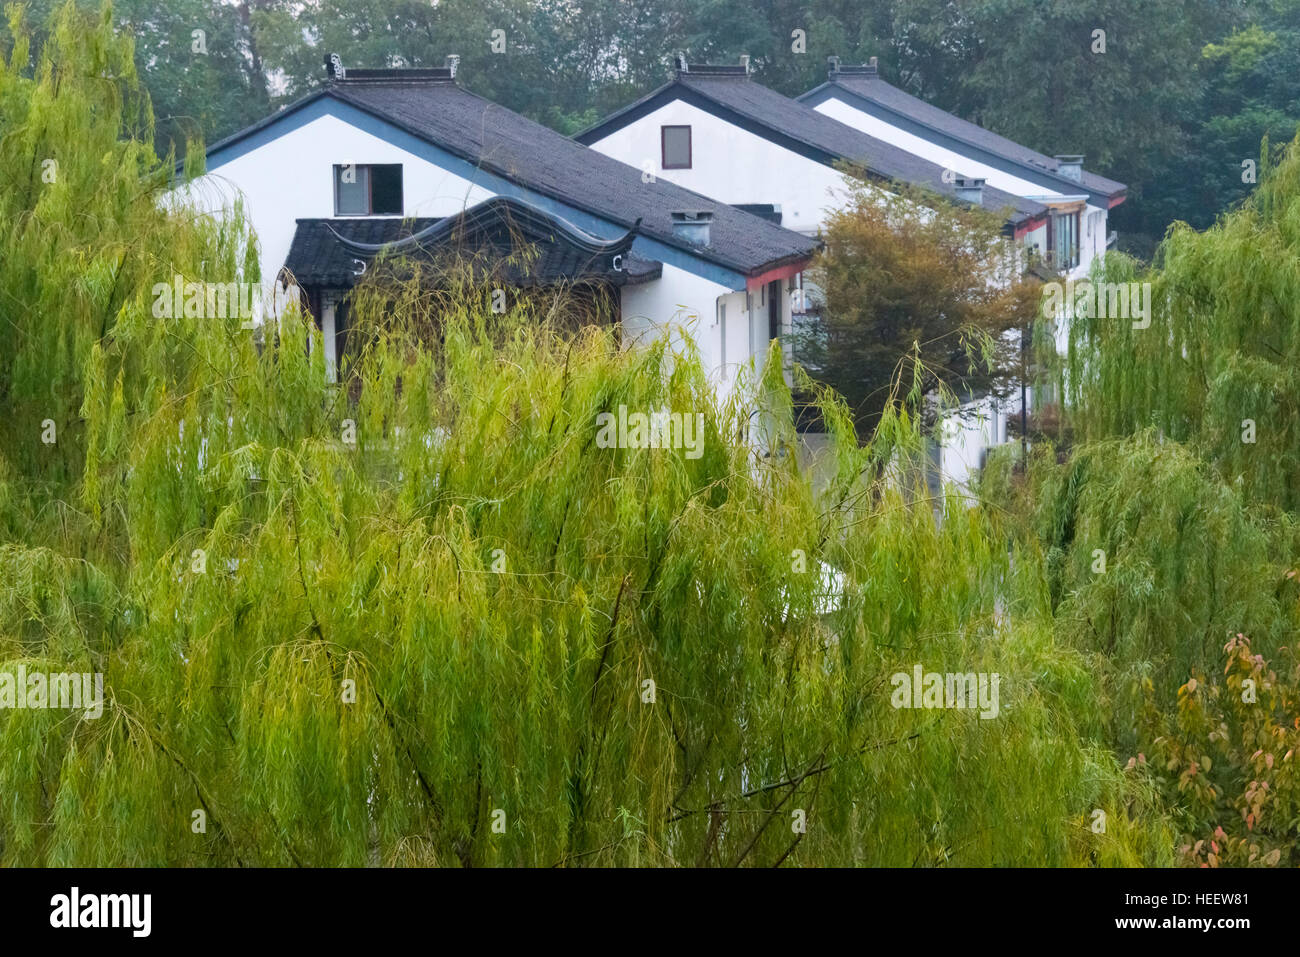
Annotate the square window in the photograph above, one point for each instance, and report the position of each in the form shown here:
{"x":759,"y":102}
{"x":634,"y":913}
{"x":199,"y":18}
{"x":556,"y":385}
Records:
{"x":676,"y":146}
{"x":368,"y":190}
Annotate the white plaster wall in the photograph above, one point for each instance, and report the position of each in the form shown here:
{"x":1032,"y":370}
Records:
{"x":736,"y":335}
{"x":748,"y":330}
{"x":680,"y":302}
{"x":965,"y":439}
{"x":940,"y":155}
{"x":687,"y":305}
{"x":1092,"y":239}
{"x":1036,"y":238}
{"x":1092,"y":229}
{"x":731,"y":165}
{"x":292,"y":177}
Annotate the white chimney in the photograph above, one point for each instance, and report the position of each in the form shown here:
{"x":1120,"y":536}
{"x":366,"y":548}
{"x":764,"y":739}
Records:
{"x":452,"y":62}
{"x":971,"y":190}
{"x":693,"y":226}
{"x":1070,"y":165}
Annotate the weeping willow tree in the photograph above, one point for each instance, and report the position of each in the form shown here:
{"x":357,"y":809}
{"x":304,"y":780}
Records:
{"x":84,"y":230}
{"x":1218,"y":369}
{"x":1170,"y":535}
{"x":434,"y":619}
{"x":477,"y":637}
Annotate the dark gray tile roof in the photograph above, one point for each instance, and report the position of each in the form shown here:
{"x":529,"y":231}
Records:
{"x":869,"y":86}
{"x":317,"y":258}
{"x":487,"y":237}
{"x":784,"y":120}
{"x":537,"y":158}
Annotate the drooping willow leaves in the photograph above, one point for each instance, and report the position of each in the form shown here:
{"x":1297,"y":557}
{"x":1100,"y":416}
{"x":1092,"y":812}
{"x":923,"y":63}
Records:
{"x":424,"y":617}
{"x":1170,"y":531}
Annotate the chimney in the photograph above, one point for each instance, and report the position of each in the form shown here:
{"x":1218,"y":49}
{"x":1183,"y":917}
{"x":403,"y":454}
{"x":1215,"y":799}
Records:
{"x":971,"y":190}
{"x":744,"y":61}
{"x":870,"y":68}
{"x":681,"y":63}
{"x":1070,"y":166}
{"x":693,"y":226}
{"x":452,"y":63}
{"x":334,"y":67}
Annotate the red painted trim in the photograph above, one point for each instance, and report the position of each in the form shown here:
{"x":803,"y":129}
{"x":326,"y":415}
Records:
{"x":754,"y":283}
{"x":1115,"y":201}
{"x":1029,"y":226}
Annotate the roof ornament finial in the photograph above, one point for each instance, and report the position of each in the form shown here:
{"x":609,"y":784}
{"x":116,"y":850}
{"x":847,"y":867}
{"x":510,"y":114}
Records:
{"x":334,"y":64}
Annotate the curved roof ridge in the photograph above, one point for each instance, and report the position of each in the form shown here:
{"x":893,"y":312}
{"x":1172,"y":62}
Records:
{"x":500,"y":208}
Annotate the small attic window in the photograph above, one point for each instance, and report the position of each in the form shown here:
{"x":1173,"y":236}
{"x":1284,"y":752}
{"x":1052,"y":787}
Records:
{"x":374,"y":190}
{"x":675,"y":142}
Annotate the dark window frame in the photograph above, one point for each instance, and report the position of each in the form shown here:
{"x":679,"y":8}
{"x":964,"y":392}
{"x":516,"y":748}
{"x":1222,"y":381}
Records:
{"x":1072,"y":251}
{"x":370,"y":188}
{"x":1064,"y":239}
{"x":663,"y":147}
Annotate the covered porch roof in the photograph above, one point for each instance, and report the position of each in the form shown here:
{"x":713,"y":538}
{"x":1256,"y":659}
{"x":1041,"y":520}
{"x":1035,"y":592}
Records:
{"x":503,"y":238}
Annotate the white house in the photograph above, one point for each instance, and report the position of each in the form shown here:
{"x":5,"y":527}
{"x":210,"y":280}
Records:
{"x":1076,"y":232}
{"x":382,"y":157}
{"x":717,"y":131}
{"x":1078,"y":201}
{"x":714,"y":129}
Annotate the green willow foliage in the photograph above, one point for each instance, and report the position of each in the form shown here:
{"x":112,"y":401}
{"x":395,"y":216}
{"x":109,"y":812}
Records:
{"x":1154,"y":564}
{"x":83,"y":233}
{"x":1171,"y":533}
{"x":1223,"y":350}
{"x":412,"y":620}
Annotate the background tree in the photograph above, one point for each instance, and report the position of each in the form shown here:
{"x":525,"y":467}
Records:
{"x":1249,"y":93}
{"x":915,"y":288}
{"x":1172,"y":107}
{"x":199,"y":61}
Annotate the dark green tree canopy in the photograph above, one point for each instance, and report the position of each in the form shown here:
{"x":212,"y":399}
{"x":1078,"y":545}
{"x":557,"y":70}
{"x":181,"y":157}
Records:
{"x":917,"y":291}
